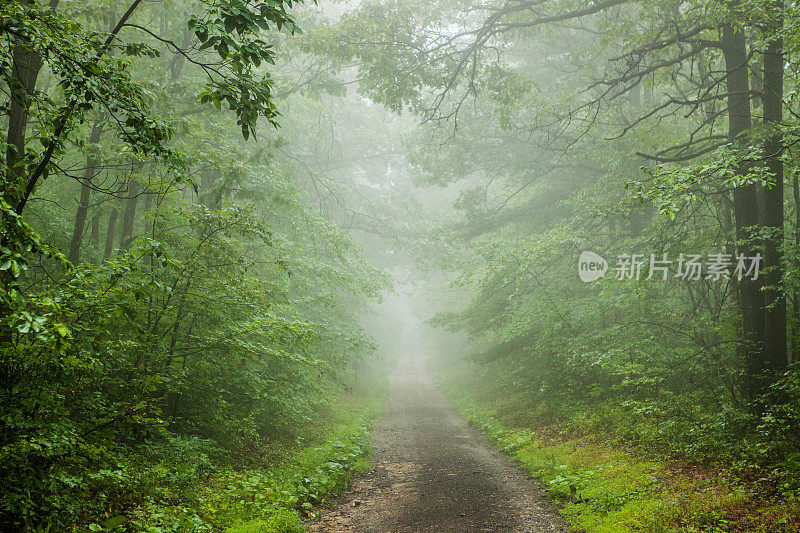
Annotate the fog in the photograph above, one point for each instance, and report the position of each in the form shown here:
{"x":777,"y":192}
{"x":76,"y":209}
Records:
{"x":399,"y":266}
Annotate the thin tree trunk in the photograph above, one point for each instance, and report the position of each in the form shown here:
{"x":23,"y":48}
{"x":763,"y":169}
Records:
{"x":757,"y":80}
{"x":92,"y":161}
{"x":148,"y":203}
{"x":206,"y":194}
{"x":129,"y":216}
{"x":795,"y":352}
{"x":112,"y":222}
{"x":95,"y":235}
{"x":148,"y":225}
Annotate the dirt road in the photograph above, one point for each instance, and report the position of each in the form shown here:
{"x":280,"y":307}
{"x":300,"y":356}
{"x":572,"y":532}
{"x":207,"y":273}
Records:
{"x":435,"y":473}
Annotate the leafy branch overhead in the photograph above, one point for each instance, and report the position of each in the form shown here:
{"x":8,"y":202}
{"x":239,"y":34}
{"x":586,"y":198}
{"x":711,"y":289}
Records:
{"x":233,"y":28}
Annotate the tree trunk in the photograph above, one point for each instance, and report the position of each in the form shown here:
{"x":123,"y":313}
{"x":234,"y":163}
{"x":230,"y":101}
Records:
{"x":149,"y":226}
{"x":795,"y":352}
{"x":95,"y":236}
{"x":26,"y":65}
{"x":206,"y":194}
{"x":757,"y":80}
{"x":112,"y":222}
{"x":745,"y":204}
{"x":92,"y":161}
{"x":129,"y":217}
{"x":773,"y":217}
{"x":148,"y":203}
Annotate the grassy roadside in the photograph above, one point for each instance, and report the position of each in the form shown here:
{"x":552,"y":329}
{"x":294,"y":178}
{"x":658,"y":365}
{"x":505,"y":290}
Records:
{"x":619,"y":490}
{"x":273,"y":500}
{"x":195,"y":491}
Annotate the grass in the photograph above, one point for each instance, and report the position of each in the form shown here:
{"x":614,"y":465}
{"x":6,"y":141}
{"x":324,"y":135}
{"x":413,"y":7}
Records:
{"x":281,"y":521}
{"x":619,"y":490}
{"x":189,"y":491}
{"x":275,"y":499}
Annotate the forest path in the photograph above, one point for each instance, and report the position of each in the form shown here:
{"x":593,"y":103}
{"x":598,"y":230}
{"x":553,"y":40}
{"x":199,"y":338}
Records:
{"x":433,"y":472}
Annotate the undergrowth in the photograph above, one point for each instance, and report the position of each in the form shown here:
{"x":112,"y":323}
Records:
{"x":618,"y":489}
{"x":189,"y":491}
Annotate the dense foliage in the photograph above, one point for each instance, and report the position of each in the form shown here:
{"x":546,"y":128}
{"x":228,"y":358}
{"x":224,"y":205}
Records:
{"x":213,"y":316}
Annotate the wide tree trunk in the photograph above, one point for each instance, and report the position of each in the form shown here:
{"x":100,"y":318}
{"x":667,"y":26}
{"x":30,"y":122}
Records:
{"x":26,"y":63}
{"x":25,"y":66}
{"x":745,"y":205}
{"x":775,"y":355}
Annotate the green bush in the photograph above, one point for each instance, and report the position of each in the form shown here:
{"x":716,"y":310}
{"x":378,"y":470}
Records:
{"x":281,"y":521}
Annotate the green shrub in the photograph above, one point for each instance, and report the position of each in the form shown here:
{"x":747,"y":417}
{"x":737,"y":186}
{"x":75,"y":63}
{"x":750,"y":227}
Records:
{"x":281,"y":521}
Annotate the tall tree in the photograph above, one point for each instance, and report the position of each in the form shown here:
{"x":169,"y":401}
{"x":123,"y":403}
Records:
{"x":92,"y":162}
{"x":775,"y":357}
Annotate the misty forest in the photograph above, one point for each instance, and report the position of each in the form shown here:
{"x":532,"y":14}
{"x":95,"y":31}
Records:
{"x":400,"y":266}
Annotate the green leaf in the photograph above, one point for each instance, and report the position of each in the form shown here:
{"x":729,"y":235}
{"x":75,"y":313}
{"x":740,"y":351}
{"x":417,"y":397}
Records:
{"x":115,"y":521}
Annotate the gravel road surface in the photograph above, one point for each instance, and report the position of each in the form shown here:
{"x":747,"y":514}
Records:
{"x":435,"y":473}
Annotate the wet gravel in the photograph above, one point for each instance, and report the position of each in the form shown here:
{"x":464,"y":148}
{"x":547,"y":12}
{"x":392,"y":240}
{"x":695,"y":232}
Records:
{"x":435,"y":473}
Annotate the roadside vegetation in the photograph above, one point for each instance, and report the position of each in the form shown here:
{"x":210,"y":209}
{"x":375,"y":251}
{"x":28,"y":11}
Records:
{"x":602,"y":483}
{"x":195,"y":486}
